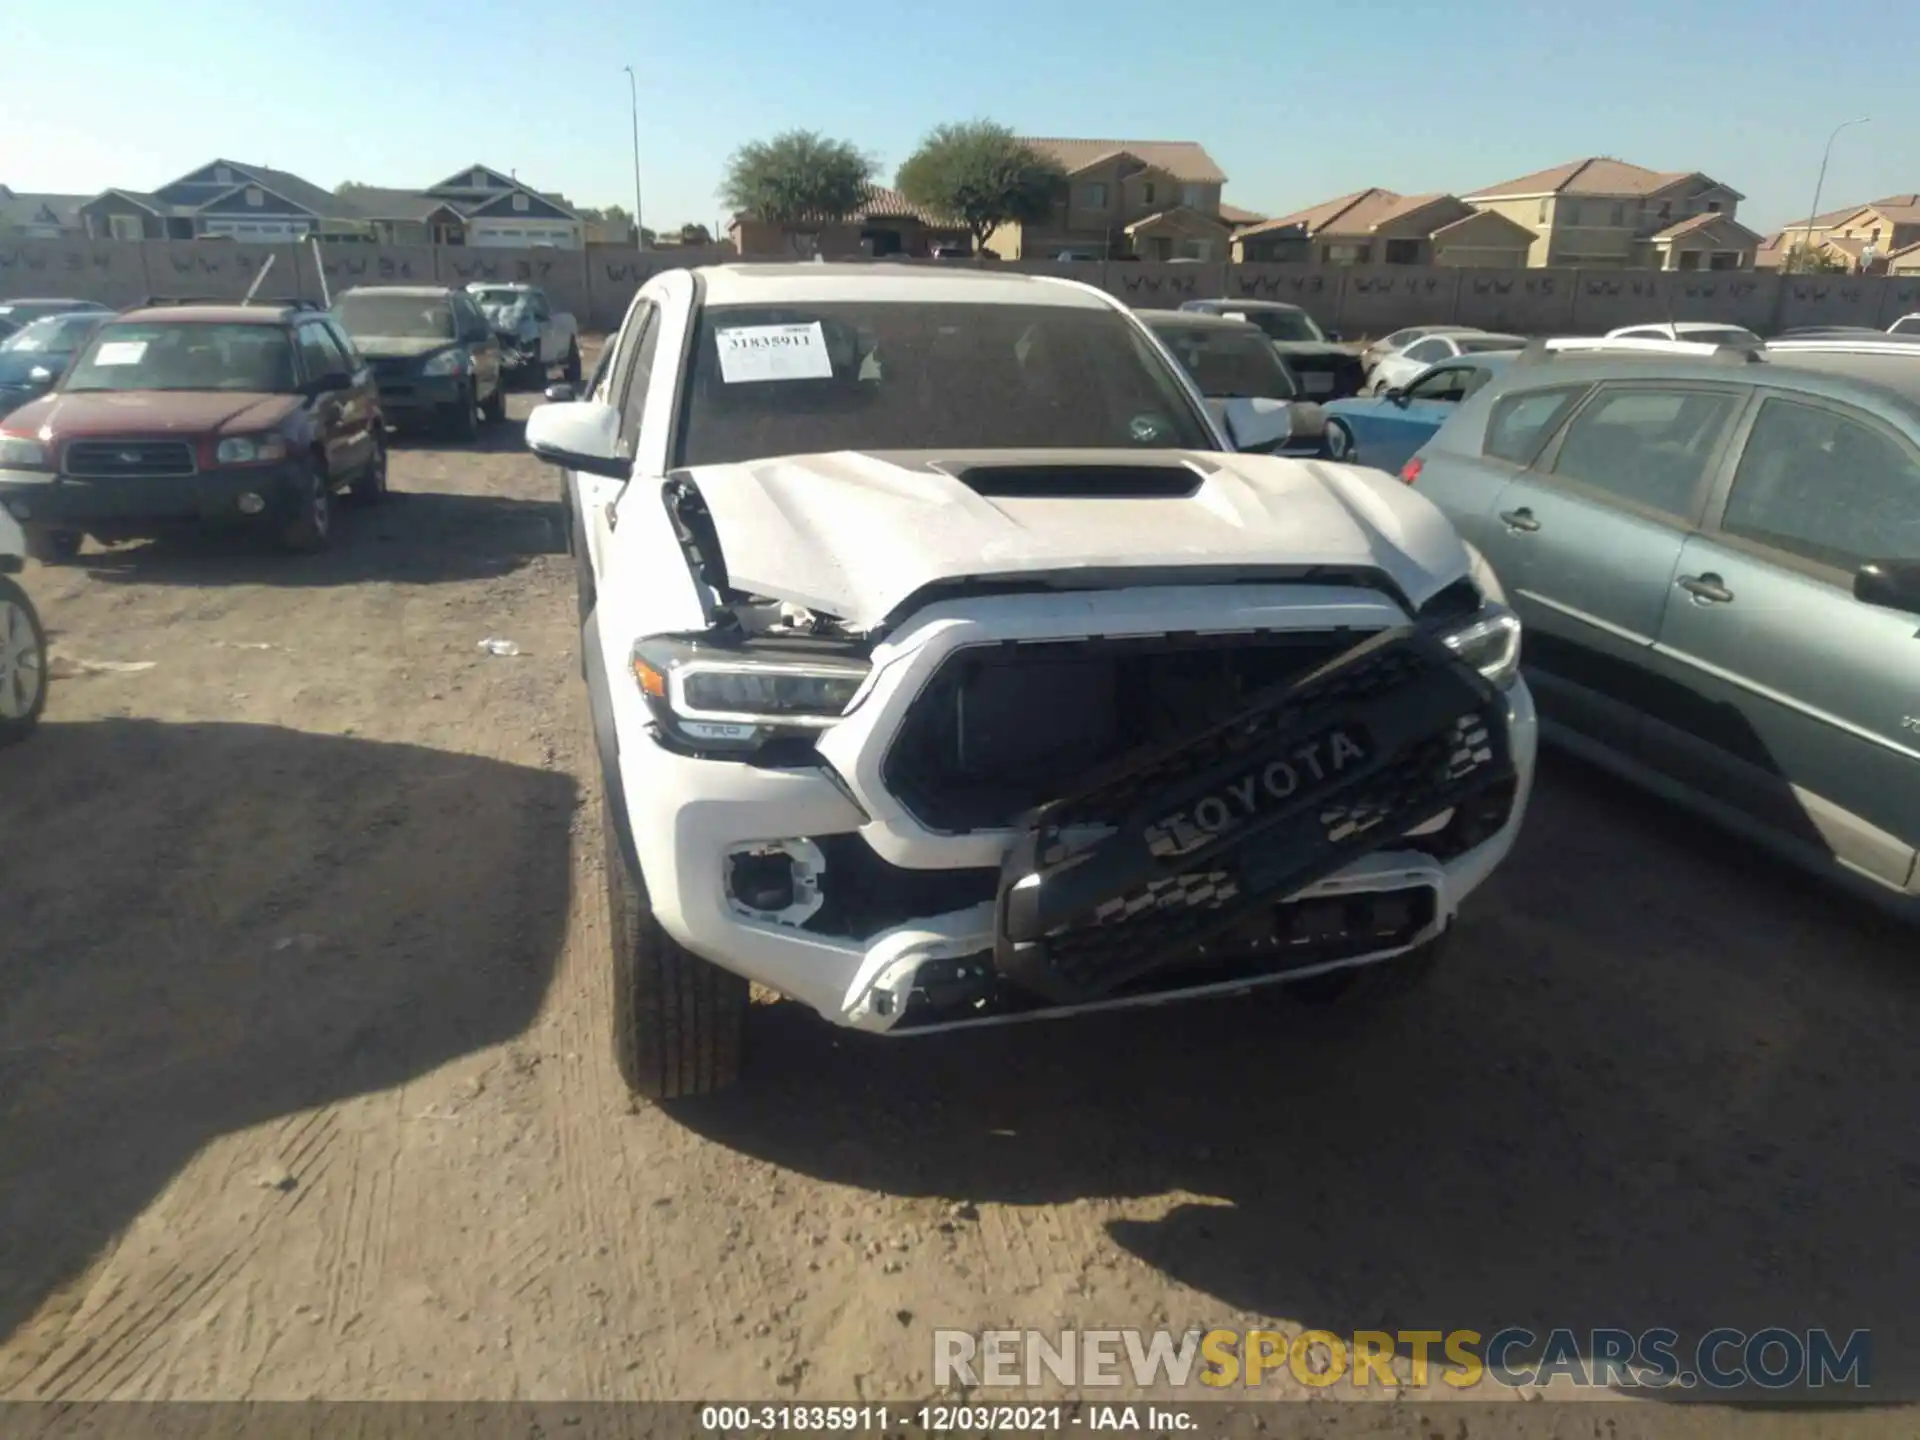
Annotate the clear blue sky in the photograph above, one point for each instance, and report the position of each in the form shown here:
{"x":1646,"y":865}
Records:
{"x":1298,"y":102}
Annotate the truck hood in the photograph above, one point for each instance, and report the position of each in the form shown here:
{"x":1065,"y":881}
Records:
{"x":69,"y":415}
{"x":856,"y":534}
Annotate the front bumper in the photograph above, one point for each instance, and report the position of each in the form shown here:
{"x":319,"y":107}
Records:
{"x":411,"y":395}
{"x":137,"y":505}
{"x":691,"y":818}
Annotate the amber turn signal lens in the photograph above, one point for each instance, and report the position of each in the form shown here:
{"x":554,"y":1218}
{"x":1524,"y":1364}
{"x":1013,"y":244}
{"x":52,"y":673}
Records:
{"x":652,"y":682}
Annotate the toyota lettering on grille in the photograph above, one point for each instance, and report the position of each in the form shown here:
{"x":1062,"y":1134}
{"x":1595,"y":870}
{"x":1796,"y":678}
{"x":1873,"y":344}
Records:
{"x":1295,"y":775}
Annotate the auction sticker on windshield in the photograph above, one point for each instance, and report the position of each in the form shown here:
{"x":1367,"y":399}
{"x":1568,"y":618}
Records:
{"x":773,"y":352}
{"x":120,"y":352}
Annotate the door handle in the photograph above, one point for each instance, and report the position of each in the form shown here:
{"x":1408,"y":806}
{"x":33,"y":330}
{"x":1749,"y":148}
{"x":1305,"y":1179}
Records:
{"x":1521,"y":519}
{"x":1707,"y":589}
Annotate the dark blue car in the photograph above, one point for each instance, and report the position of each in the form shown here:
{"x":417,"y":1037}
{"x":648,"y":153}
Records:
{"x":1384,"y":430}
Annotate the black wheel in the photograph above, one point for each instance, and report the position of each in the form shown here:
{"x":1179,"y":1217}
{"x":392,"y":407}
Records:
{"x":370,"y":486}
{"x":23,"y":664}
{"x":54,"y":547}
{"x":677,"y":1020}
{"x":572,"y":371}
{"x":463,"y":418}
{"x":1376,"y":984}
{"x":495,"y":408}
{"x":309,"y":523}
{"x":1340,"y":444}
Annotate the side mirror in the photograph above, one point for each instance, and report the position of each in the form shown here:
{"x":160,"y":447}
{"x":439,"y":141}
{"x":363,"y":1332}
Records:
{"x":1894,"y":584}
{"x":582,"y":435}
{"x":1397,"y":396}
{"x":1256,"y":423}
{"x":1334,"y":337}
{"x":559,"y":393}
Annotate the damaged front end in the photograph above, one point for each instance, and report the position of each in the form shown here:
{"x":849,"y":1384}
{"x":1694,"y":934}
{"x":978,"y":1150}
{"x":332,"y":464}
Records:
{"x":1015,"y":802}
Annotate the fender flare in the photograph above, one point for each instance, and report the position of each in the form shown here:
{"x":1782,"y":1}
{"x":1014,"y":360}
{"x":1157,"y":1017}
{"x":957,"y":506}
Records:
{"x":606,"y":740}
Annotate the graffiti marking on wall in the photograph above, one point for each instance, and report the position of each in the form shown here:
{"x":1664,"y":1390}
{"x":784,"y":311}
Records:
{"x":1269,"y":286}
{"x":1156,"y":284}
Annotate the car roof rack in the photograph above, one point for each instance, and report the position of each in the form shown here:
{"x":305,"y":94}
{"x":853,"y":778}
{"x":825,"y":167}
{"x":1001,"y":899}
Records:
{"x":1906,"y":345}
{"x":1545,"y":348}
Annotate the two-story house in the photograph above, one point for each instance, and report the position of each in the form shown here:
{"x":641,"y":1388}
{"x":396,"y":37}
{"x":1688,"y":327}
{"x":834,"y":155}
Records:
{"x":1154,"y":199}
{"x":1379,"y":227}
{"x":475,"y":206}
{"x":1605,"y":212}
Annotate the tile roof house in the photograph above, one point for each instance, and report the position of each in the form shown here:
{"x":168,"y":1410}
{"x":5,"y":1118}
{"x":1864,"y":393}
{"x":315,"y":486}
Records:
{"x":1601,"y":211}
{"x":1377,"y":226}
{"x":40,"y":216}
{"x":225,"y":199}
{"x":885,"y":223}
{"x":1151,"y":199}
{"x":1896,"y":217}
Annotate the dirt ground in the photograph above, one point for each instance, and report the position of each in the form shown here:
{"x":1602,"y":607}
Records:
{"x":305,"y":1085}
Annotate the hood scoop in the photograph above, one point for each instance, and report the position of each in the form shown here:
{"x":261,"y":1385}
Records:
{"x":1080,"y":482}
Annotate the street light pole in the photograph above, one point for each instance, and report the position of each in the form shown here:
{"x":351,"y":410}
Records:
{"x":1825,"y":155}
{"x":633,"y":100}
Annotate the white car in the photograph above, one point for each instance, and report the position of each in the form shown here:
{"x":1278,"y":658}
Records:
{"x":1399,"y":340}
{"x":23,"y":643}
{"x":1397,"y":371}
{"x":1694,"y":332}
{"x":1905,"y":325}
{"x":535,"y":335}
{"x":948,"y":667}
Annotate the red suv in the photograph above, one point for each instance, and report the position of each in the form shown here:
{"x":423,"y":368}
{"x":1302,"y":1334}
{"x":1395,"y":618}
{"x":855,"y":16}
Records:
{"x":252,"y":415}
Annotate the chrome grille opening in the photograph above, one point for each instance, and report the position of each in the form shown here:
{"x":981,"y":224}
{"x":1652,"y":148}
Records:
{"x":113,"y":459}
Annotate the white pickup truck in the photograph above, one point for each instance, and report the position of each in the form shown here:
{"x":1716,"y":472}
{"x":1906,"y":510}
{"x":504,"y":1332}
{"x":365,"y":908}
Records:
{"x":536,"y":336}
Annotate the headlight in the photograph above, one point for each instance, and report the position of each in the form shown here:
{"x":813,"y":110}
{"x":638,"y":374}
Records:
{"x":712,"y":698}
{"x":1490,"y":642}
{"x":249,"y":449}
{"x":20,"y":453}
{"x":447,"y":362}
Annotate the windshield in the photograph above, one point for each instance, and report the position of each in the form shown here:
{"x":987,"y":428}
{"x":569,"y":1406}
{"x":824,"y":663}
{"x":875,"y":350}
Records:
{"x":45,"y":346}
{"x":1282,"y":324}
{"x":185,"y":356}
{"x":1732,"y":336}
{"x":409,"y":317}
{"x":1229,"y":361}
{"x":1480,"y":345}
{"x":808,"y":378}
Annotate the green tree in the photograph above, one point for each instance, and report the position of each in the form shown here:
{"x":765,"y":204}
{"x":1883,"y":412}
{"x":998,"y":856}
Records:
{"x":796,"y":174}
{"x":981,"y":175}
{"x":1804,"y":259}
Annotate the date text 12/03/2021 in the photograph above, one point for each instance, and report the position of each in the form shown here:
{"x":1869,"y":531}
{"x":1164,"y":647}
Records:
{"x":945,"y":1419}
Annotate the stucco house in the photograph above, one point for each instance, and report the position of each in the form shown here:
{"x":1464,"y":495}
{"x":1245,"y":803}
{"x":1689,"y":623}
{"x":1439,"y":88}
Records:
{"x":1151,"y":199}
{"x":225,"y":199}
{"x":1605,"y":212}
{"x":1889,"y":224}
{"x":885,"y":223}
{"x":40,"y":216}
{"x":1381,"y":227}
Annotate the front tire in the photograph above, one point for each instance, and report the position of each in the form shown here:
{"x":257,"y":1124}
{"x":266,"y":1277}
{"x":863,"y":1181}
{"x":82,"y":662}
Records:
{"x":370,"y":486}
{"x":463,"y":419}
{"x":1340,"y":446}
{"x":495,"y":409}
{"x":23,"y":664}
{"x":54,"y":547}
{"x":678,"y":1021}
{"x":310,"y":528}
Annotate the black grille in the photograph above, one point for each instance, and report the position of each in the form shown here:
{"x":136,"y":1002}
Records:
{"x":116,"y":458}
{"x":1078,"y":920}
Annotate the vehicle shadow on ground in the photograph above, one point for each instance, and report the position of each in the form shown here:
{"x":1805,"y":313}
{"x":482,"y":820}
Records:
{"x":1661,"y":1081}
{"x":210,"y":926}
{"x":500,"y":438}
{"x":414,"y":537}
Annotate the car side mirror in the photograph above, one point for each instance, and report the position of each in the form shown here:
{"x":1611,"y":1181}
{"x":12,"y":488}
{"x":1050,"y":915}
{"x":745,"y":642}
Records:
{"x":581,"y":435}
{"x":1894,"y":584}
{"x":1334,"y":337}
{"x":1398,"y":396}
{"x":559,"y":393}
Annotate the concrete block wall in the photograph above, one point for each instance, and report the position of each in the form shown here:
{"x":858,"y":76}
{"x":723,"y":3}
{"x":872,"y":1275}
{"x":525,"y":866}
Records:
{"x":597,"y":284}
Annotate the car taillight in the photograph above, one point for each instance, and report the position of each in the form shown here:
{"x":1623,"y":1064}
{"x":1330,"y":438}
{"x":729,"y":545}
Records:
{"x":1410,"y":471}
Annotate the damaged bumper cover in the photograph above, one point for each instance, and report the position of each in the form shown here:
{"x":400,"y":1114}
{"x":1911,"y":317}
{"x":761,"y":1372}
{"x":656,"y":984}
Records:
{"x":1047,"y":919}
